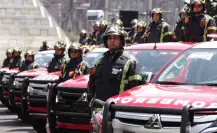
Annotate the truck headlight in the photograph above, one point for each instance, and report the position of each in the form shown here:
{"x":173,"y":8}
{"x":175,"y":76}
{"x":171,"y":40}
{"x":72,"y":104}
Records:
{"x":57,"y":99}
{"x":28,"y":89}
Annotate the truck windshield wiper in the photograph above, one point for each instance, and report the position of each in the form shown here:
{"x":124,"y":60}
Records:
{"x":170,"y":83}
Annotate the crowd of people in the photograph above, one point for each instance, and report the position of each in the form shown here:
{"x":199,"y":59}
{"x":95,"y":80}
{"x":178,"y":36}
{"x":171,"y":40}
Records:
{"x":193,"y":27}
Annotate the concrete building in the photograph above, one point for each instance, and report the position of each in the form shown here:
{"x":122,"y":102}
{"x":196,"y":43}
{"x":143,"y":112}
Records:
{"x":26,"y":23}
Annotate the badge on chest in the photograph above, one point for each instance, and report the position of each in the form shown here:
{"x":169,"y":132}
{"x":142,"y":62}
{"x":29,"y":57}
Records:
{"x":116,"y":70}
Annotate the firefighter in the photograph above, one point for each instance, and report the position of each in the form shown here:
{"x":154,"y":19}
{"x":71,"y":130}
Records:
{"x":133,"y":29}
{"x":158,"y":30}
{"x":103,"y":26}
{"x":75,"y":55}
{"x":44,"y":46}
{"x":179,"y":27}
{"x":83,"y":37}
{"x":92,"y":37}
{"x":17,"y":59}
{"x":9,"y":54}
{"x":28,"y":63}
{"x":199,"y":24}
{"x":139,"y":36}
{"x":58,"y":60}
{"x":115,"y":72}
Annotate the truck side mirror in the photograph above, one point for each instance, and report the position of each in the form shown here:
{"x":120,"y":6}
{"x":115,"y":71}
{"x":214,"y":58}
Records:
{"x":147,"y":77}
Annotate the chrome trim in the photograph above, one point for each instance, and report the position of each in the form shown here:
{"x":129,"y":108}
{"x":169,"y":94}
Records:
{"x":19,"y":79}
{"x":119,"y":127}
{"x":6,"y":76}
{"x":37,"y":85}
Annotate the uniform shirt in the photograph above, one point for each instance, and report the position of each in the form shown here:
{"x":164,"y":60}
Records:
{"x":82,"y":41}
{"x":113,"y":74}
{"x":56,"y":63}
{"x":197,"y":28}
{"x":92,"y":38}
{"x":68,"y":67}
{"x":139,"y":38}
{"x":27,"y":65}
{"x":15,"y":62}
{"x":6,"y":62}
{"x":158,"y":32}
{"x":178,"y":31}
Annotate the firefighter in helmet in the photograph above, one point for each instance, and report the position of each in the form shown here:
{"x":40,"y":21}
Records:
{"x":139,"y":35}
{"x":44,"y":46}
{"x":9,"y":54}
{"x":158,"y":30}
{"x":179,"y":27}
{"x":17,"y":59}
{"x":108,"y":71}
{"x":133,"y":30}
{"x":83,"y":37}
{"x":199,"y":25}
{"x":103,"y":26}
{"x":92,"y":37}
{"x":28,"y":63}
{"x":75,"y":55}
{"x":58,"y":60}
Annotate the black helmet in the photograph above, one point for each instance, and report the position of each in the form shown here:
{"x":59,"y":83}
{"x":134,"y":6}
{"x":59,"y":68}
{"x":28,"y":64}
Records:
{"x":29,"y":53}
{"x":158,"y":11}
{"x":44,"y":42}
{"x":114,"y":30}
{"x":202,"y":2}
{"x":60,"y":45}
{"x":75,"y":46}
{"x":9,"y":51}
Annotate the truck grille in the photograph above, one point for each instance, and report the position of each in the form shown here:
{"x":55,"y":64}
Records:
{"x":67,"y":102}
{"x":5,"y":82}
{"x":18,"y":86}
{"x":36,"y":95}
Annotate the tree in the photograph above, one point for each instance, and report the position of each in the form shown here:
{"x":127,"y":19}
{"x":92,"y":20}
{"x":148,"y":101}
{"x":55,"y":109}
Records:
{"x":211,"y":8}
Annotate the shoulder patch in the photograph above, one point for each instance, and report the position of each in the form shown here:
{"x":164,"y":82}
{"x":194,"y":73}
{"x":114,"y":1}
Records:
{"x":187,"y":20}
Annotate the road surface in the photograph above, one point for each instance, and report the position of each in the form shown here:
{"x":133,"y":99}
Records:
{"x":9,"y":123}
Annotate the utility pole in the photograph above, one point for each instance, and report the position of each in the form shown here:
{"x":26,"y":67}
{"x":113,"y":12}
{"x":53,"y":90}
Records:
{"x":106,"y":9}
{"x":149,"y":8}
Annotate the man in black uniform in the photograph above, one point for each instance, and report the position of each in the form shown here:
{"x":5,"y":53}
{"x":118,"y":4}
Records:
{"x":28,"y":63}
{"x":100,"y":33}
{"x":75,"y":55}
{"x":44,"y":46}
{"x":9,"y":54}
{"x":17,"y":59}
{"x":199,"y":24}
{"x":58,"y":60}
{"x":115,"y":72}
{"x":158,"y":30}
{"x":92,"y":37}
{"x":83,"y":37}
{"x":133,"y":28}
{"x":179,"y":27}
{"x":139,"y":35}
